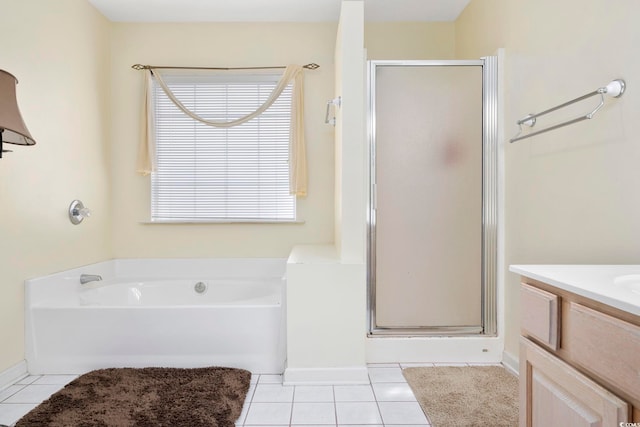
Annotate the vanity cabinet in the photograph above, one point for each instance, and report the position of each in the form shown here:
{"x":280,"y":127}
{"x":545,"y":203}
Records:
{"x":579,"y":360}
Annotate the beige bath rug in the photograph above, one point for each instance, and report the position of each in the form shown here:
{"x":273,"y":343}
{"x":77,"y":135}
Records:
{"x":146,"y":397}
{"x":466,"y":396}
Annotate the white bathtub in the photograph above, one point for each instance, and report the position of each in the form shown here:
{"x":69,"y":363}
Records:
{"x":148,"y":313}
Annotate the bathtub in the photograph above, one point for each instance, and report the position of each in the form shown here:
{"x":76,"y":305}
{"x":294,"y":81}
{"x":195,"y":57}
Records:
{"x":174,"y":313}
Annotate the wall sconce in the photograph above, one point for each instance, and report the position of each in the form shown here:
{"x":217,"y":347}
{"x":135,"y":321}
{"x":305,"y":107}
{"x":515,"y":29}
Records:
{"x":12,"y":127}
{"x":336,"y":102}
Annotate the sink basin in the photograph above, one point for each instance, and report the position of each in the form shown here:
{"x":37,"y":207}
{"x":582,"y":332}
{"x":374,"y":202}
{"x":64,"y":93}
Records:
{"x":631,"y":281}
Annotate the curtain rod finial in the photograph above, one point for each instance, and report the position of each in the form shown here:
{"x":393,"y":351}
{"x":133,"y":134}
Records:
{"x":311,"y":66}
{"x":139,"y":67}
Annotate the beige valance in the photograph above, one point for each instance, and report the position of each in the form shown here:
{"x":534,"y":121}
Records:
{"x":297,"y":148}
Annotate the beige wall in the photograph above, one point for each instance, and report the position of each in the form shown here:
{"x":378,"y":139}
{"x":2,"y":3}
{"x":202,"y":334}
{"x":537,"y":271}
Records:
{"x":58,"y":50}
{"x":410,"y":40}
{"x":218,"y":44}
{"x":572,"y":195}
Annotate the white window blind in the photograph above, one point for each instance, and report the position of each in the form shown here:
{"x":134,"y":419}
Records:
{"x":204,"y":173}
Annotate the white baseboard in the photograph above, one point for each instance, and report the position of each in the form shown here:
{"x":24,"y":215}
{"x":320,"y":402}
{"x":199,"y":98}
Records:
{"x":326,"y":376}
{"x":13,"y":374}
{"x":511,"y":363}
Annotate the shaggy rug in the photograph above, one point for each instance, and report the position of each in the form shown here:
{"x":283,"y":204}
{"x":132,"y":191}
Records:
{"x":466,"y":396}
{"x":146,"y":397}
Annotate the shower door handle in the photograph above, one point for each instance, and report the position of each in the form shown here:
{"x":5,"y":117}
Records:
{"x":374,"y":197}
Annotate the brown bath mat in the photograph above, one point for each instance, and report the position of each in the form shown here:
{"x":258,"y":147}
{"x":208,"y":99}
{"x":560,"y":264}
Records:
{"x":146,"y":397}
{"x":466,"y":396}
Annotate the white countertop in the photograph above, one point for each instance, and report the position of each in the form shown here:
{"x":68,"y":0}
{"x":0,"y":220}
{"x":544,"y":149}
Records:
{"x":614,"y":285}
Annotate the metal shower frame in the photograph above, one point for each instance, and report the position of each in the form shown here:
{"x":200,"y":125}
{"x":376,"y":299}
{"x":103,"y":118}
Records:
{"x":489,"y":301}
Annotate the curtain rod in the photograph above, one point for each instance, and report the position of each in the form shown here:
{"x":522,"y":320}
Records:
{"x":311,"y":66}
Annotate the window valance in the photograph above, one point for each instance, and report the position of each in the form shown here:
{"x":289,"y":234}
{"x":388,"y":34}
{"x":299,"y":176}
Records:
{"x":293,"y":74}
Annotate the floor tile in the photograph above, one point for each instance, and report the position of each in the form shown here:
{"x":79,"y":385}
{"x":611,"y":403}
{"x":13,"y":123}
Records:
{"x":269,"y":414}
{"x":29,"y":379}
{"x":393,"y":392}
{"x":313,"y":425}
{"x":269,"y":403}
{"x":10,"y":391}
{"x":12,"y":412}
{"x":55,"y":379}
{"x":245,"y":406}
{"x":383,"y":365}
{"x":402,"y":413}
{"x":313,"y":413}
{"x":358,"y":413}
{"x":386,"y":375}
{"x":243,"y":414}
{"x":270,"y":379}
{"x":311,"y":393}
{"x":250,"y":393}
{"x":33,"y":394}
{"x":354,"y":393}
{"x":273,"y":393}
{"x":416,"y":365}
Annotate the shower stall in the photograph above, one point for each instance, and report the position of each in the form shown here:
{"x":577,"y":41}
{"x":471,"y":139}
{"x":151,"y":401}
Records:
{"x":433,"y":198}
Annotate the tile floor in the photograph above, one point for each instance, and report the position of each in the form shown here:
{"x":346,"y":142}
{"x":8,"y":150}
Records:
{"x":386,"y":401}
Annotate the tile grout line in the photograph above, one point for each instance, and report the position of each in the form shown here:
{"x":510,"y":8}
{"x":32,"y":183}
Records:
{"x":253,"y":395}
{"x":244,"y":421}
{"x":14,"y":385}
{"x":375,"y":398}
{"x":293,"y":396}
{"x":335,"y":405}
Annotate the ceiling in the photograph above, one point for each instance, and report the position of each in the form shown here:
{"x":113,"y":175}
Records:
{"x":273,"y":10}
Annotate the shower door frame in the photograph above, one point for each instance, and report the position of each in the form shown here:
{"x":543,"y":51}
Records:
{"x":489,"y":258}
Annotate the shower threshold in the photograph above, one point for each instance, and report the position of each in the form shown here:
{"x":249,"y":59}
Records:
{"x":427,"y":331}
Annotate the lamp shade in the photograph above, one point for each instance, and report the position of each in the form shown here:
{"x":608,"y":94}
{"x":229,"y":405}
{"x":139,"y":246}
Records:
{"x":12,"y":127}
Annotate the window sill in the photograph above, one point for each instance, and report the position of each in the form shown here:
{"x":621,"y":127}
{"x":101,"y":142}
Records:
{"x":235,"y":221}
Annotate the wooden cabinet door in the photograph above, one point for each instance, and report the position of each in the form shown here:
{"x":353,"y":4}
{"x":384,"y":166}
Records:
{"x":552,"y":393}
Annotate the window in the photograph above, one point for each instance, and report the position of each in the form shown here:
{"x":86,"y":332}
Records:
{"x":205,"y":173}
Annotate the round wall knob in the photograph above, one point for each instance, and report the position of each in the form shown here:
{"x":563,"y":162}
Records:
{"x":77,"y":212}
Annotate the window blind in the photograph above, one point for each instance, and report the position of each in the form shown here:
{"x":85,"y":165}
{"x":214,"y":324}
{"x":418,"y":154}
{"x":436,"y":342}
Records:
{"x":205,"y":173}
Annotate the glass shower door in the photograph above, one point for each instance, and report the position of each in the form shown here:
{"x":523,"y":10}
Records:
{"x":426,"y":231}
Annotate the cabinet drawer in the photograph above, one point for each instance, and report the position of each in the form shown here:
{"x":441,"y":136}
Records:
{"x":540,"y":315}
{"x":606,"y":346}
